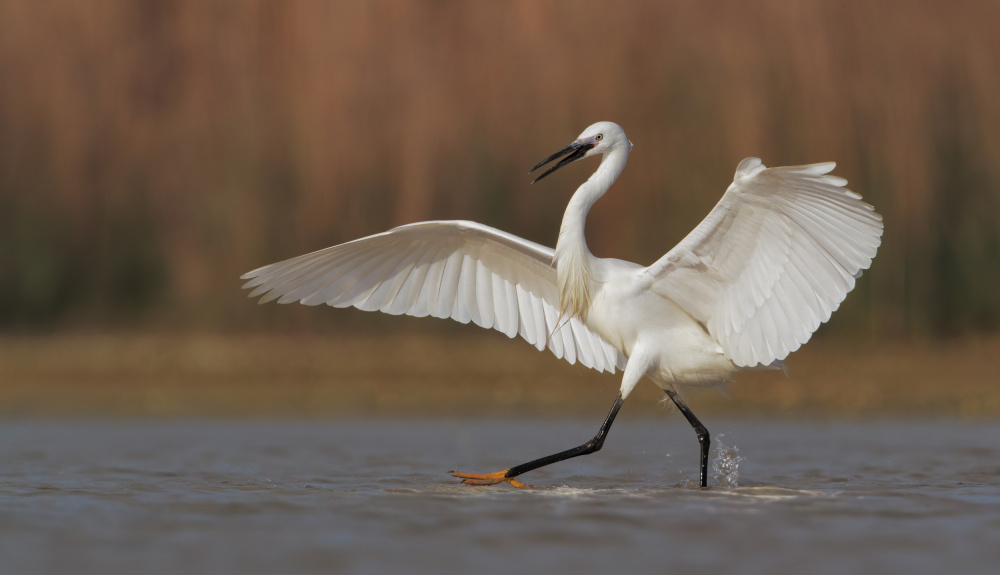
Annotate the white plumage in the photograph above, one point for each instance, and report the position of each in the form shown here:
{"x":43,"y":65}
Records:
{"x":772,"y":260}
{"x":750,"y":284}
{"x":457,"y":269}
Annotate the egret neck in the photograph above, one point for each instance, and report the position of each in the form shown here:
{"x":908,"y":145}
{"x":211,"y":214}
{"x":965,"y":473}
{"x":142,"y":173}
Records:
{"x":573,"y":259}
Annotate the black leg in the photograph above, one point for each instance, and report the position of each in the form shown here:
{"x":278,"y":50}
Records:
{"x":507,"y":475}
{"x":704,"y":441}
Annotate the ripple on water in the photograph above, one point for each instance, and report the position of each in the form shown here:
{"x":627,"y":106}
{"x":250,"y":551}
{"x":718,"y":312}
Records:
{"x":312,"y":497}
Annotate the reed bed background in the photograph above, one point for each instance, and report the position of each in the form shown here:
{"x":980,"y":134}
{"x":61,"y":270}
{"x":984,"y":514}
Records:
{"x":151,"y":152}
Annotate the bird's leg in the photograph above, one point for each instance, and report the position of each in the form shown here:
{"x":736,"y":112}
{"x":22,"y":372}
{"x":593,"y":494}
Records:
{"x":508,"y":475}
{"x":704,"y":441}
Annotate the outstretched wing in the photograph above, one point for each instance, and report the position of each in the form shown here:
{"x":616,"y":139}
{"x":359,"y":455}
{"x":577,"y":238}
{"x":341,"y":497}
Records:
{"x":462,"y":270}
{"x":772,"y":260}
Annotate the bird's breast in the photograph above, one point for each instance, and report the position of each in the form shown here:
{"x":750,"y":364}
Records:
{"x":625,"y":316}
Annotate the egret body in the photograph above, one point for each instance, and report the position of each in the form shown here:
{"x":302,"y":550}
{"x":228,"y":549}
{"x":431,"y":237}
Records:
{"x":746,"y":287}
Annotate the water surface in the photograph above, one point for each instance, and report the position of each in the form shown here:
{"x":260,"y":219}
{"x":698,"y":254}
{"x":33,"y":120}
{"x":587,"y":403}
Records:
{"x":372,"y":496}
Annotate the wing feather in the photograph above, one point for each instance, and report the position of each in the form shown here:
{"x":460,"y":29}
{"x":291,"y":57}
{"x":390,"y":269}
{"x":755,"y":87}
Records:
{"x":773,"y":259}
{"x":461,"y":270}
{"x":510,"y":291}
{"x":541,"y":322}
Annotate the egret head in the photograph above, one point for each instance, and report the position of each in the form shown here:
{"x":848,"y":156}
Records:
{"x":599,"y":138}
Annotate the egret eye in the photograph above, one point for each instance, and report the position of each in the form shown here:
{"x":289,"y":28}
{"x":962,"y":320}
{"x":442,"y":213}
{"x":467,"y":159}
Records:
{"x":599,"y":137}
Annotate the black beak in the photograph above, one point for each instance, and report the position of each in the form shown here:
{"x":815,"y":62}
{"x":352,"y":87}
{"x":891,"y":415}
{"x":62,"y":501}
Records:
{"x":576,"y":151}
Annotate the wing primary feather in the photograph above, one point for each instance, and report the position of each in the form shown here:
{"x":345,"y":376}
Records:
{"x":484,"y":295}
{"x":414,"y":304}
{"x":448,"y":288}
{"x":526,"y":322}
{"x":513,"y":318}
{"x":462,"y":270}
{"x":541,"y":321}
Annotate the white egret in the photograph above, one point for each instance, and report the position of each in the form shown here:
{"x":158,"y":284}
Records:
{"x":749,"y":285}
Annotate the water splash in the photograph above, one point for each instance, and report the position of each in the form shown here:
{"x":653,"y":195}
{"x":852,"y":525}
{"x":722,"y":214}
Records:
{"x":726,"y":464}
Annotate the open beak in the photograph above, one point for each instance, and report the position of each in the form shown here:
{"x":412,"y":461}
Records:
{"x":577,"y":150}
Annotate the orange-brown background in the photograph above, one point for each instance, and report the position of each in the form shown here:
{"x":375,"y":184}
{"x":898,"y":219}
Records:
{"x":150,"y":152}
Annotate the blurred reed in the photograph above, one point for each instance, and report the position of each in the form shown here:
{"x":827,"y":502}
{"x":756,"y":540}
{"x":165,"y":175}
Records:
{"x":152,"y":151}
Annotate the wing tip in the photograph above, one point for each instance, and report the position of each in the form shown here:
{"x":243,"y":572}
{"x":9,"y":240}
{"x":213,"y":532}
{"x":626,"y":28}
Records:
{"x":749,"y":168}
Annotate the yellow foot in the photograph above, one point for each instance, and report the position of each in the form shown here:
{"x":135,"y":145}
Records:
{"x":487,"y":478}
